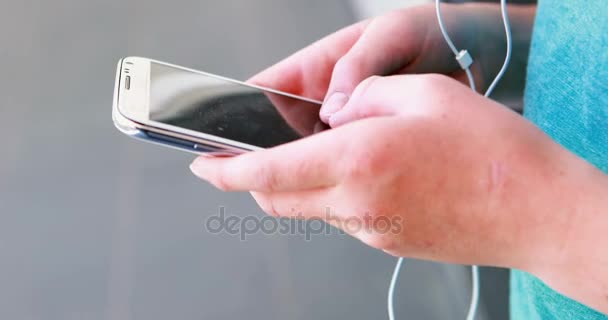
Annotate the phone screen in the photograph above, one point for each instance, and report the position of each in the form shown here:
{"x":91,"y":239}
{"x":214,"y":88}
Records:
{"x":228,"y":110}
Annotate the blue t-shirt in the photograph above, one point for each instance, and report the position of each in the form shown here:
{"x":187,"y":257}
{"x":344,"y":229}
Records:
{"x":567,"y":97}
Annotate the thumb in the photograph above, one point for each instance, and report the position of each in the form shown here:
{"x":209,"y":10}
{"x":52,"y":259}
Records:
{"x":374,"y":53}
{"x":411,"y":95}
{"x":374,"y":97}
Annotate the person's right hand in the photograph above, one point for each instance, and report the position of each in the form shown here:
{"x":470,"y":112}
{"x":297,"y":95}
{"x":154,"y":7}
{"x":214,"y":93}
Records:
{"x":405,"y":41}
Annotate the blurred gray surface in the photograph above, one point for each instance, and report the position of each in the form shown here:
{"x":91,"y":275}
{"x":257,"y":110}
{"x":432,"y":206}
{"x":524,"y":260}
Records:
{"x":94,"y":225}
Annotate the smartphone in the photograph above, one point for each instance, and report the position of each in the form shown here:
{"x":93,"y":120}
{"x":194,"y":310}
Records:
{"x":204,"y":113}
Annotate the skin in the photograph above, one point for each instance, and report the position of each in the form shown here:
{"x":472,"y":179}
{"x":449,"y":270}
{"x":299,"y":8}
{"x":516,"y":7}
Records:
{"x":468,"y":180}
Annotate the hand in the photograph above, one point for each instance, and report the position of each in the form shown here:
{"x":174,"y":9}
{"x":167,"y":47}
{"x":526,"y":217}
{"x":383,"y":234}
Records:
{"x":464,"y":179}
{"x":457,"y":191}
{"x":402,"y":42}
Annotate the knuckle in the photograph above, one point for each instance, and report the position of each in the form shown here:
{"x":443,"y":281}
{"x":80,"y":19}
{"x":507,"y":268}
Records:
{"x":359,"y":101}
{"x":266,"y":177}
{"x":304,"y":168}
{"x":363,"y":163}
{"x":355,"y":169}
{"x":342,"y":72}
{"x":348,"y":71}
{"x":365,"y":85}
{"x":345,"y":65}
{"x":434,"y":93}
{"x":427,"y":82}
{"x":433,"y":81}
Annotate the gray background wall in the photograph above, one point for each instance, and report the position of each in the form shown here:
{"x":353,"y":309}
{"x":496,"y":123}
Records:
{"x":94,"y":225}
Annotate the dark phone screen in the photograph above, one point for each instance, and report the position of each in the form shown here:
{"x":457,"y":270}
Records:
{"x":229,"y":110}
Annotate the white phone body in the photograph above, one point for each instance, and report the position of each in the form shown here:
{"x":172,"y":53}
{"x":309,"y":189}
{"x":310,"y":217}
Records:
{"x":132,"y":106}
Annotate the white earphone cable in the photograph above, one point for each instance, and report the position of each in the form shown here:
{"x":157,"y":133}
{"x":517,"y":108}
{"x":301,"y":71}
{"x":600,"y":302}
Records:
{"x":391,"y":289}
{"x":505,"y":65}
{"x":448,"y":40}
{"x":465,"y":61}
{"x":474,"y":293}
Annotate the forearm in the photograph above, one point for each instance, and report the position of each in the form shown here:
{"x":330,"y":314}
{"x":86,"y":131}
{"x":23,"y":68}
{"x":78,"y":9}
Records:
{"x":572,"y":252}
{"x":581,"y":271}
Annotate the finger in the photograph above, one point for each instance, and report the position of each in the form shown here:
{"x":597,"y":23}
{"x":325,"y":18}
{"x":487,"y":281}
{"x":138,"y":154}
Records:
{"x":320,"y":204}
{"x":387,"y":96}
{"x":308,"y":163}
{"x":360,"y":106}
{"x":308,"y":71}
{"x":317,"y":204}
{"x":387,"y":45}
{"x":306,"y":204}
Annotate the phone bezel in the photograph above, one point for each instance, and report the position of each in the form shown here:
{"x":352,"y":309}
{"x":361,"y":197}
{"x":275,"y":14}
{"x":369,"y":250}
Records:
{"x":131,"y":107}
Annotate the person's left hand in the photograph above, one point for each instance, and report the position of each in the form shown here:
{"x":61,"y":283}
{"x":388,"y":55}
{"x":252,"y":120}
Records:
{"x":427,"y":153}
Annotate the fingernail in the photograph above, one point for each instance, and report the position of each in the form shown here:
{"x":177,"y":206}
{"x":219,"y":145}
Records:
{"x":332,"y":105}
